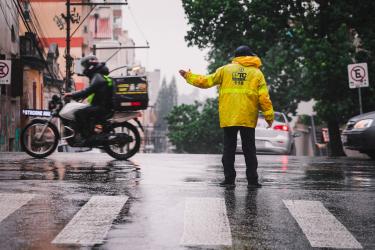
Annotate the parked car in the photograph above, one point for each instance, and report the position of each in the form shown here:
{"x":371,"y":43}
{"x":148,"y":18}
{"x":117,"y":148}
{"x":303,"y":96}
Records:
{"x":279,"y":139}
{"x":359,"y":134}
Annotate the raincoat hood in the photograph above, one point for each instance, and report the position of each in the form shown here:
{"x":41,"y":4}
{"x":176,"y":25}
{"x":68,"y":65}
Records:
{"x":248,"y":61}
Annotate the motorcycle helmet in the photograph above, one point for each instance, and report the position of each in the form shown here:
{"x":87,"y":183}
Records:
{"x":89,"y":64}
{"x":243,"y":50}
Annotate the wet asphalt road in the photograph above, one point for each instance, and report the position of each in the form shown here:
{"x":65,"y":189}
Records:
{"x":174,"y":202}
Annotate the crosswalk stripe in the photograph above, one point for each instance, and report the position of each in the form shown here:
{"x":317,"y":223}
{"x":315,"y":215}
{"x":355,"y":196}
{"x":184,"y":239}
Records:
{"x":9,"y":203}
{"x":92,"y":222}
{"x":321,"y":228}
{"x":206,"y":223}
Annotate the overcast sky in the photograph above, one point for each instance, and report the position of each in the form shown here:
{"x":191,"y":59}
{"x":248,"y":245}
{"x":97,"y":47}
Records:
{"x":164,"y":25}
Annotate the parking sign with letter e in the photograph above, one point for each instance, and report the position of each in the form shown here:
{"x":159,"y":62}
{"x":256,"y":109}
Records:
{"x":5,"y":71}
{"x":358,"y":75}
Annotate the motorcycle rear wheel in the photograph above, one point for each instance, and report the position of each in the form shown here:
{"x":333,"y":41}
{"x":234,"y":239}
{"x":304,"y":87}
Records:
{"x":43,"y":146}
{"x":124,"y":152}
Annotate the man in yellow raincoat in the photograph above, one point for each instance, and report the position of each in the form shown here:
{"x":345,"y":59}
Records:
{"x":242,"y":94}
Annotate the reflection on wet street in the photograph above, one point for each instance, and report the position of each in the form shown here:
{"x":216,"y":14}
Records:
{"x":160,"y":201}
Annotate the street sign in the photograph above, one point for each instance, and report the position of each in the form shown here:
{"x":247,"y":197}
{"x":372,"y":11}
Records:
{"x":5,"y":71}
{"x":36,"y":112}
{"x":358,"y":75}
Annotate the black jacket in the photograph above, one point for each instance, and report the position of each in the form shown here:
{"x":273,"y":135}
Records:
{"x":99,"y":87}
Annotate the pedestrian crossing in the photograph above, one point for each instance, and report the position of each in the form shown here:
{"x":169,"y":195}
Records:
{"x":319,"y":225}
{"x":205,"y":221}
{"x":9,"y":203}
{"x":91,"y":224}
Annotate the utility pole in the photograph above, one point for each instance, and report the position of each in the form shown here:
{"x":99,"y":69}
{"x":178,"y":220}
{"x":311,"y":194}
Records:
{"x":360,"y":101}
{"x":314,"y":139}
{"x":68,"y":19}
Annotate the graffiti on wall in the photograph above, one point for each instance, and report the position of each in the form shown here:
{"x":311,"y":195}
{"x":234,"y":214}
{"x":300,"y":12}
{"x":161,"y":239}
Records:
{"x":9,"y":126}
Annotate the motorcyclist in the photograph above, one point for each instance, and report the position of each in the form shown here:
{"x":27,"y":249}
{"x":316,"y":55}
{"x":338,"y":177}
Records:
{"x":98,"y":94}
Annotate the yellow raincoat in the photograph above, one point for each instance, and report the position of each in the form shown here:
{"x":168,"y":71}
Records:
{"x":242,"y":91}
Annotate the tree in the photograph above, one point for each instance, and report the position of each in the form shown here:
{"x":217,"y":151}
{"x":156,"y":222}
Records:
{"x":166,"y":100}
{"x":327,"y":47}
{"x":327,"y":80}
{"x":195,"y":128}
{"x":306,"y":46}
{"x":182,"y":123}
{"x":162,"y":106}
{"x":284,"y":75}
{"x":223,"y":25}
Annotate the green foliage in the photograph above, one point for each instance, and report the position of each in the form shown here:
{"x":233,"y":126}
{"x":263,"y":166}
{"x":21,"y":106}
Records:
{"x":195,"y":128}
{"x":305,"y":45}
{"x":284,"y":74}
{"x":223,"y":25}
{"x":306,"y":120}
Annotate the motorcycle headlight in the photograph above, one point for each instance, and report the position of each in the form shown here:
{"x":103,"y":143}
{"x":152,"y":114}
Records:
{"x":363,"y":124}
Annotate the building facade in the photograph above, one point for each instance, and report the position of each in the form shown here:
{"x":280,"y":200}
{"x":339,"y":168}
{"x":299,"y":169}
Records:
{"x":105,"y":30}
{"x":10,"y":94}
{"x":52,"y":27}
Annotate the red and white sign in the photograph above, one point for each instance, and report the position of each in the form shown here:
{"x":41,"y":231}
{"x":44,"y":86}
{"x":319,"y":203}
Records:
{"x":5,"y":71}
{"x":358,"y":75}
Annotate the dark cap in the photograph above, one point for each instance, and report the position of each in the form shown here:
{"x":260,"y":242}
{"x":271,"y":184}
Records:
{"x":243,"y":50}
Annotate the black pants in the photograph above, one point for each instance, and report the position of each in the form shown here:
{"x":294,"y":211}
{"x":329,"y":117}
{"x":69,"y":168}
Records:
{"x":86,"y":118}
{"x":248,"y":148}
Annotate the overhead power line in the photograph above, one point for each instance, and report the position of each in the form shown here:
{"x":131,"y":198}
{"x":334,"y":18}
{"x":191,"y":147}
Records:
{"x":102,"y":3}
{"x":137,"y":25}
{"x":38,"y":25}
{"x":35,"y":41}
{"x":122,"y":47}
{"x":84,"y":19}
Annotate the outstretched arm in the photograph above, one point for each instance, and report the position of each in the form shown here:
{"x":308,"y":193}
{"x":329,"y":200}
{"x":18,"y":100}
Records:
{"x":81,"y":94}
{"x":203,"y":81}
{"x":96,"y":82}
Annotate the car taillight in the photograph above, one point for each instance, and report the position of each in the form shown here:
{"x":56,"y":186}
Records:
{"x":131,"y":104}
{"x":281,"y":127}
{"x":136,"y":104}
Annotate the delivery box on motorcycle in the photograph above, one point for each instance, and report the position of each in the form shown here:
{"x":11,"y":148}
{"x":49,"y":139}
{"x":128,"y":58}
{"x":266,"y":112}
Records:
{"x":130,"y":93}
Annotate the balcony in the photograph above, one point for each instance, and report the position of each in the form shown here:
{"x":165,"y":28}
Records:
{"x":29,"y":53}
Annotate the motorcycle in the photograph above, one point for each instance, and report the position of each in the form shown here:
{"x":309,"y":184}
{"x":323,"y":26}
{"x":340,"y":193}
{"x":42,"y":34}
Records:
{"x":115,"y":135}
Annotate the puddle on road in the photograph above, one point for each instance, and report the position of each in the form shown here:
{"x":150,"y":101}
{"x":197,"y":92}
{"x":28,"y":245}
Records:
{"x":47,"y":169}
{"x":193,"y":179}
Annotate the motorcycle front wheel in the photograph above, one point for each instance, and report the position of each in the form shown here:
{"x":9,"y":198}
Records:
{"x":39,"y":138}
{"x":126,"y":150}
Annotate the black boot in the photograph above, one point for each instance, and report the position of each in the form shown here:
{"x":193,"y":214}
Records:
{"x":254,"y":184}
{"x":227,"y":183}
